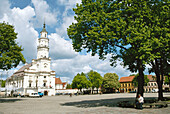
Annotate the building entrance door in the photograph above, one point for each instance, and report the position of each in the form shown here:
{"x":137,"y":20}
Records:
{"x":45,"y":92}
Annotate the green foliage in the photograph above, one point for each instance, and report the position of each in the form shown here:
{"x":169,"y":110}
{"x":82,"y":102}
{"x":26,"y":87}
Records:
{"x":135,"y":80}
{"x":132,"y":74}
{"x":68,"y":86}
{"x":10,"y":52}
{"x":135,"y":31}
{"x":167,"y":79}
{"x":2,"y":83}
{"x":95,"y":79}
{"x":110,"y":80}
{"x":80,"y":81}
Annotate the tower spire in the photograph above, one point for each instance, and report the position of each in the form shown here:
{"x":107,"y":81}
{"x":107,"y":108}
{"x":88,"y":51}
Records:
{"x":44,"y":30}
{"x":44,"y":23}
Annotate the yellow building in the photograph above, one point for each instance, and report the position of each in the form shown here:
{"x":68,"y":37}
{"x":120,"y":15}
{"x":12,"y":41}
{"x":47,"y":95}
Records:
{"x":126,"y":84}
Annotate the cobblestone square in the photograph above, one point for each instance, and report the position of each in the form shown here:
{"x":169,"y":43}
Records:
{"x":82,"y":104}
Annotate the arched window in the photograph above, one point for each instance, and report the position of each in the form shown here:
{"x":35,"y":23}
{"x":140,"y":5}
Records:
{"x":45,"y":65}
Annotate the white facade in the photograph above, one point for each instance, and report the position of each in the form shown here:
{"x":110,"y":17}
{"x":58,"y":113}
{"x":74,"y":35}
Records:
{"x":36,"y":76}
{"x":59,"y":86}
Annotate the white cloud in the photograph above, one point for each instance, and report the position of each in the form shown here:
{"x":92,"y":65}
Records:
{"x":60,"y":48}
{"x":69,"y":2}
{"x":67,"y":21}
{"x":42,"y":11}
{"x":85,"y":63}
{"x":4,"y":8}
{"x":68,"y":18}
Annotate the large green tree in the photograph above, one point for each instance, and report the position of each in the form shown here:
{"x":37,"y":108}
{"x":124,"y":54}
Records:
{"x":111,"y":27}
{"x":95,"y":78}
{"x":111,"y":80}
{"x":123,"y":28}
{"x":160,"y":40}
{"x":80,"y":81}
{"x":10,"y":51}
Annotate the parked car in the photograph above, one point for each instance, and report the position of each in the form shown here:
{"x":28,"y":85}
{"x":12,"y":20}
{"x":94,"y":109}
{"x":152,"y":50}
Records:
{"x":41,"y":94}
{"x":132,"y":92}
{"x":34,"y":94}
{"x":155,"y":90}
{"x":16,"y":94}
{"x":58,"y":94}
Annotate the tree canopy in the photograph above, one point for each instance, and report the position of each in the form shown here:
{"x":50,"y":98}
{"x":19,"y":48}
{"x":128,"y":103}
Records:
{"x":10,"y":51}
{"x":167,"y":79}
{"x":135,"y":31}
{"x":68,"y":86}
{"x":80,"y":81}
{"x":111,"y":80}
{"x":95,"y":78}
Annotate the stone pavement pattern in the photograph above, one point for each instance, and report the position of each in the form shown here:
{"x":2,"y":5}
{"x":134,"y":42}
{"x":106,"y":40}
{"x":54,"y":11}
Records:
{"x":85,"y":104}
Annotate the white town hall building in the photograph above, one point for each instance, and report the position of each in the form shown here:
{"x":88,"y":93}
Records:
{"x":36,"y":76}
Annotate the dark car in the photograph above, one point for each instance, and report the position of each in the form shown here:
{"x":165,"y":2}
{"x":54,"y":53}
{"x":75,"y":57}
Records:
{"x":41,"y":94}
{"x":132,"y":92}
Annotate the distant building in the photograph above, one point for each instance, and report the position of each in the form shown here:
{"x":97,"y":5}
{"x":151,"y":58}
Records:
{"x":60,"y":87}
{"x":152,"y":84}
{"x":59,"y":84}
{"x":36,"y":76}
{"x":126,"y":84}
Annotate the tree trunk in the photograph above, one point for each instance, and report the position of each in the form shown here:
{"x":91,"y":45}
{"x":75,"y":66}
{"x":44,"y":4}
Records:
{"x":97,"y":90}
{"x":169,"y":81}
{"x":91,"y":90}
{"x":159,"y":80}
{"x":140,"y":78}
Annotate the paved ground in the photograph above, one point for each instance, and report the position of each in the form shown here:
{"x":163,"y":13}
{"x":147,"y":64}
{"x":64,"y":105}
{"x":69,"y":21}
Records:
{"x":85,"y":104}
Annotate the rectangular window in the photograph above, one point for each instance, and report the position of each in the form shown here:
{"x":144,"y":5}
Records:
{"x":29,"y":84}
{"x":44,"y":84}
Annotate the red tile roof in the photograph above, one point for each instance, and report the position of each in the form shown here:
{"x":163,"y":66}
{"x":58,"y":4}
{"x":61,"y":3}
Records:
{"x":126,"y":79}
{"x":130,"y":78}
{"x":151,"y":78}
{"x":64,"y":83}
{"x":58,"y":81}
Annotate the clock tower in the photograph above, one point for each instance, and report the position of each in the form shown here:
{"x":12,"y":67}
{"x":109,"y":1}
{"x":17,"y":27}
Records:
{"x":43,"y":58}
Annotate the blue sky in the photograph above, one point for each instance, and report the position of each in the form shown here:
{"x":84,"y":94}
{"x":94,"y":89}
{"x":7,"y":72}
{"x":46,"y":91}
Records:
{"x":28,"y":17}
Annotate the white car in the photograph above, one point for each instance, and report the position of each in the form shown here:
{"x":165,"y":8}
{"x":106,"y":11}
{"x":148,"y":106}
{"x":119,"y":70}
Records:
{"x":155,"y":90}
{"x":34,"y":94}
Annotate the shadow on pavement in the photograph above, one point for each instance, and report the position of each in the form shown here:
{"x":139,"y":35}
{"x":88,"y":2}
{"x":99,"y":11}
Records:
{"x":102,"y":102}
{"x":2,"y":100}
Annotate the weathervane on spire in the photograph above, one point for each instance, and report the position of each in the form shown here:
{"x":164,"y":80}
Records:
{"x":44,"y":23}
